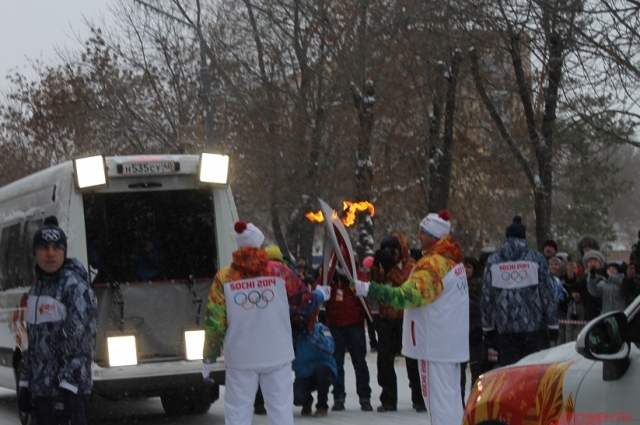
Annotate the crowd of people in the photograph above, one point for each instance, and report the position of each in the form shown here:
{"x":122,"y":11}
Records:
{"x":442,"y":311}
{"x":590,"y":285}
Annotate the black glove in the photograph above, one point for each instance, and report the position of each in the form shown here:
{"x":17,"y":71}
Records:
{"x":592,"y":272}
{"x":489,"y":338}
{"x":553,"y":334}
{"x":62,"y":407}
{"x":25,"y":405}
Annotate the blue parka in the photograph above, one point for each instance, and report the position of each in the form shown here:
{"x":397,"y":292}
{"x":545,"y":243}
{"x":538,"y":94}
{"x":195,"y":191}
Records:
{"x":313,"y":349}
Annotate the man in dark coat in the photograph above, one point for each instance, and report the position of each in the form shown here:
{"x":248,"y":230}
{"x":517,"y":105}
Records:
{"x":62,"y":311}
{"x":518,"y":298}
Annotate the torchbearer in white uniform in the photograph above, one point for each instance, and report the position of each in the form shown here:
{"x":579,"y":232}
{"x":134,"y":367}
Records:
{"x":436,"y":317}
{"x":248,"y":309}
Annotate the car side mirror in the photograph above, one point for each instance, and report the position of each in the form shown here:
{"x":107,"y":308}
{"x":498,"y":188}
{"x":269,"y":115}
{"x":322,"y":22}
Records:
{"x":606,"y":339}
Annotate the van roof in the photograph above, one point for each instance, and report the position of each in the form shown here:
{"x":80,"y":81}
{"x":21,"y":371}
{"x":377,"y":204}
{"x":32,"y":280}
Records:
{"x":64,"y":171}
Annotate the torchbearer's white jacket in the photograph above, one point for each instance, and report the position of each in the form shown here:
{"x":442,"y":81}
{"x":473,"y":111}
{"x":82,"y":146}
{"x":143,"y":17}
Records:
{"x":436,"y":303}
{"x":439,"y":331}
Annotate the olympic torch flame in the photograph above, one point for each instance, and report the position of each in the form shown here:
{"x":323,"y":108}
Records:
{"x":315,"y":217}
{"x":352,"y":207}
{"x":349,"y":209}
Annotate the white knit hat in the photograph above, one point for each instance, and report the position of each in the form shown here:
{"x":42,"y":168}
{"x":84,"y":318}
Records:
{"x":437,"y":225}
{"x":248,"y":235}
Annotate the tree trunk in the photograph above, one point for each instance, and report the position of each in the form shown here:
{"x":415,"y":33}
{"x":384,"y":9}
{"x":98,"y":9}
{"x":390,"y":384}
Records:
{"x":440,"y":190}
{"x":364,"y":167}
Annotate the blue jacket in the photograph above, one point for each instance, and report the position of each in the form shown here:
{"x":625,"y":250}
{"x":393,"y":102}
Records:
{"x":62,"y":317}
{"x":527,"y":309}
{"x":313,"y":349}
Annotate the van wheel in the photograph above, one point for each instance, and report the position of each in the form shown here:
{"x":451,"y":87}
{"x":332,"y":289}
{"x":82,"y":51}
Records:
{"x":25,"y":418}
{"x":188,"y":401}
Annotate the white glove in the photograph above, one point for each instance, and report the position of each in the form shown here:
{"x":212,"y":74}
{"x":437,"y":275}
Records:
{"x":325,"y":290}
{"x":362,"y":288}
{"x":207,"y":368}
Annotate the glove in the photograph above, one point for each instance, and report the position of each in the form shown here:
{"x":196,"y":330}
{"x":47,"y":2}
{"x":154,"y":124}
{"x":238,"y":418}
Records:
{"x":25,"y":404}
{"x":62,"y":407}
{"x":489,"y":338}
{"x":592,"y":272}
{"x":553,"y":334}
{"x":362,"y":288}
{"x":325,"y":290}
{"x":207,"y":368}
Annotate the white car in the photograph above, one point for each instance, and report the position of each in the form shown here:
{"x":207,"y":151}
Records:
{"x":593,"y":381}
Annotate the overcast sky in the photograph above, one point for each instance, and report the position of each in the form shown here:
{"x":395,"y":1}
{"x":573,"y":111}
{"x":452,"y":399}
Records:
{"x":34,"y":28}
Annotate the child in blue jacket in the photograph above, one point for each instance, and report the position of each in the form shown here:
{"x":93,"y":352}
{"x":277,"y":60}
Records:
{"x":314,"y":366}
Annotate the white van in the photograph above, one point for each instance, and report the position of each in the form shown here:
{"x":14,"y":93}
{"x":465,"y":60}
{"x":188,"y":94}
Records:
{"x":152,"y":233}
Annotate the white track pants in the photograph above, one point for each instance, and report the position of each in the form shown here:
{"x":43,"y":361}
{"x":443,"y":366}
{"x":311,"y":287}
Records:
{"x":277,"y":388}
{"x":440,"y":384}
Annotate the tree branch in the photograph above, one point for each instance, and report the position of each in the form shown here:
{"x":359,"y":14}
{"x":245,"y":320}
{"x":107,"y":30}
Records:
{"x":493,"y":112}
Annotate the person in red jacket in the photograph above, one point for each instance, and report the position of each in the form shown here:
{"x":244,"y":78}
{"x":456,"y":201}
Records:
{"x":346,"y":318}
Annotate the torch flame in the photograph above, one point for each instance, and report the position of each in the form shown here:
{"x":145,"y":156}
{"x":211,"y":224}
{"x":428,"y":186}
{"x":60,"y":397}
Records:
{"x":349,"y":208}
{"x":318,"y":217}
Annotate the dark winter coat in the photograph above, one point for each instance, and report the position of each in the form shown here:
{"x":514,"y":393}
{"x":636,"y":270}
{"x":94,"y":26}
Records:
{"x":630,"y":289}
{"x":61,"y":316}
{"x":592,"y":305}
{"x":527,"y":309}
{"x":475,"y":311}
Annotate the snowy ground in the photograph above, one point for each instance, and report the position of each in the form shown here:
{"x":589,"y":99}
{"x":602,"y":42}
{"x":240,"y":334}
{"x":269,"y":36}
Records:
{"x":352,"y":415}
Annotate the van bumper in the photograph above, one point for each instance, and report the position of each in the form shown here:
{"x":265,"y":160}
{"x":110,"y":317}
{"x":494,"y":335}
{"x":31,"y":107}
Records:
{"x":151,"y":379}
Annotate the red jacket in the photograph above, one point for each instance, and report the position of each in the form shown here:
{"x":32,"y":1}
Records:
{"x":344,"y":308}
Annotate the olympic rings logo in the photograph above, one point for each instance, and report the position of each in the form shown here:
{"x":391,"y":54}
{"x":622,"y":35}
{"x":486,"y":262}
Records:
{"x":254,"y":299}
{"x":514,"y":276}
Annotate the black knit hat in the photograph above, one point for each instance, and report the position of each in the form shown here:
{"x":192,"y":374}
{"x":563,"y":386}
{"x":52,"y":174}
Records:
{"x":551,"y":243}
{"x":516,"y":229}
{"x":391,"y":242}
{"x":50,"y":234}
{"x":617,"y":267}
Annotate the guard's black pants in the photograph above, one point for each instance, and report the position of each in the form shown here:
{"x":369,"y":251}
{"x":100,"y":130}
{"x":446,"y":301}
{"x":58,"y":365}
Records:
{"x":43,"y":410}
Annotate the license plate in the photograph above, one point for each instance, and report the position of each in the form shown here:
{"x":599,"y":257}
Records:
{"x":160,"y":167}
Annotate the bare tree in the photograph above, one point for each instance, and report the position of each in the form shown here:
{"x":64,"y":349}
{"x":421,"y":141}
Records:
{"x":512,"y":33}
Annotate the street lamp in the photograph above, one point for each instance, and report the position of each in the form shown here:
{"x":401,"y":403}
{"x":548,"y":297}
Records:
{"x":205,"y":75}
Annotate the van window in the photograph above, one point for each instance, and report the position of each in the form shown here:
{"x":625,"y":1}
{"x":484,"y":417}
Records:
{"x":150,"y":236}
{"x":11,"y":257}
{"x":29,"y":260}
